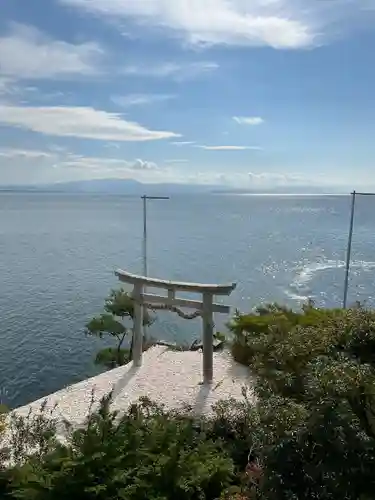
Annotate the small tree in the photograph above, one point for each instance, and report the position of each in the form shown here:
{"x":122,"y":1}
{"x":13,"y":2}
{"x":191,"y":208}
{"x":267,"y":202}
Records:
{"x":118,"y":307}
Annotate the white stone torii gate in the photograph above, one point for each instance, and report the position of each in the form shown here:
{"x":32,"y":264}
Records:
{"x":205,"y":308}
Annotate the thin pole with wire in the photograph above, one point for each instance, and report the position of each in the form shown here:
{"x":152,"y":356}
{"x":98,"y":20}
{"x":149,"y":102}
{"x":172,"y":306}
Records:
{"x":355,"y":194}
{"x":349,"y":250}
{"x":144,"y":245}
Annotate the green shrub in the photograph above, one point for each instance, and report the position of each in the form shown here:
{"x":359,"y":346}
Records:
{"x":3,"y":411}
{"x":232,"y":423}
{"x":147,"y":453}
{"x":315,"y":382}
{"x":112,"y":357}
{"x":255,"y":331}
{"x":311,"y":434}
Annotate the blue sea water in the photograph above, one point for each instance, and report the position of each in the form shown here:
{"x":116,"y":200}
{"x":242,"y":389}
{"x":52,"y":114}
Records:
{"x":58,"y":253}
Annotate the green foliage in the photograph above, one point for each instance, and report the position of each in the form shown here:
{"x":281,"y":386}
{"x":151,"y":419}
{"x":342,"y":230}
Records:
{"x":311,"y":434}
{"x":119,"y":306}
{"x":24,"y":436}
{"x":105,"y":324}
{"x":315,"y":423}
{"x":3,"y":409}
{"x":253,"y":332}
{"x":111,"y":357}
{"x":232,"y":423}
{"x":147,"y":453}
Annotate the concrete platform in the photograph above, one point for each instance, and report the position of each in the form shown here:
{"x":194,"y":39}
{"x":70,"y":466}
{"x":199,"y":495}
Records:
{"x":167,"y":377}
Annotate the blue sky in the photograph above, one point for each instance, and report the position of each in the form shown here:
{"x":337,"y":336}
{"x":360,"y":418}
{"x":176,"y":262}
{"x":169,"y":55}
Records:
{"x":244,"y":93}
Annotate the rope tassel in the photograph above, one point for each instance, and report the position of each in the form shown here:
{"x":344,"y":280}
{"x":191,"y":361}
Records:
{"x":167,"y":307}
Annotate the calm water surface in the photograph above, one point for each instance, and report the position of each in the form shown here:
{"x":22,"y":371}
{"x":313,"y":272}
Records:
{"x":58,"y":254}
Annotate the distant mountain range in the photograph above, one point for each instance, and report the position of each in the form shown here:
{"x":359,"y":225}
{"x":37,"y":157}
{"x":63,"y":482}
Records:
{"x":128,"y":187}
{"x":132,"y":187}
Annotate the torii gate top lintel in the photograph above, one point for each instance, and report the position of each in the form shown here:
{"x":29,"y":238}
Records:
{"x":134,"y":279}
{"x":205,"y":308}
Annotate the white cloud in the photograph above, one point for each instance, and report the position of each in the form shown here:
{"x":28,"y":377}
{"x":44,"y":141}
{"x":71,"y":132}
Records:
{"x":27,"y":53}
{"x":144,"y":165}
{"x":176,"y":71}
{"x":83,"y":122}
{"x":5,"y":86}
{"x":149,"y":171}
{"x":275,"y":23}
{"x":251,"y":180}
{"x":282,"y":24}
{"x":73,"y":166}
{"x":274,"y":179}
{"x":182,"y":143}
{"x":248,"y":120}
{"x":24,"y":153}
{"x":229,"y":148}
{"x":176,"y":160}
{"x":13,"y":91}
{"x":55,"y":164}
{"x":140,"y":99}
{"x":103,"y":164}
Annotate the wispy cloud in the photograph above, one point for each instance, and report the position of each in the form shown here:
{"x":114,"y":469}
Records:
{"x":61,"y":158}
{"x":14,"y":90}
{"x":82,"y":122}
{"x":144,"y":165}
{"x":282,"y":24}
{"x":25,"y":52}
{"x":173,"y":70}
{"x":229,"y":148}
{"x":176,"y":160}
{"x":57,"y":164}
{"x":252,"y":180}
{"x":274,"y":179}
{"x":182,"y":143}
{"x":276,"y":23}
{"x":11,"y":153}
{"x":103,"y":164}
{"x":127,"y":101}
{"x":5,"y":86}
{"x":248,"y":120}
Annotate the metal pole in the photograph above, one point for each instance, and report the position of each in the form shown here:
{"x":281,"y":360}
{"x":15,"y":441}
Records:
{"x":349,"y":251}
{"x":144,"y":198}
{"x":145,"y":267}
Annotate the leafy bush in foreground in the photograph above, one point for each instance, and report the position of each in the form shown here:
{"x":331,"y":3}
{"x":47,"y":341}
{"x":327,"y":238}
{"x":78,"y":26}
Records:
{"x":146,"y":453}
{"x":315,"y":376}
{"x":311,"y":434}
